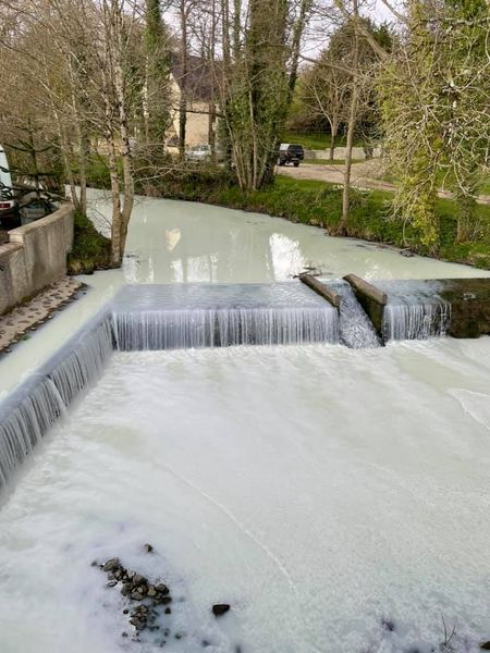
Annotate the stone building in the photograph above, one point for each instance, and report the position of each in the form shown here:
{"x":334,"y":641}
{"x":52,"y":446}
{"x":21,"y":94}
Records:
{"x":200,"y":87}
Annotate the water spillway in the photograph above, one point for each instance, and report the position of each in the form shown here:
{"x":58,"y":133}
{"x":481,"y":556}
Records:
{"x":356,"y":329}
{"x":413,"y":318}
{"x":201,"y":315}
{"x":157,"y":317}
{"x":194,"y":316}
{"x":35,"y":406}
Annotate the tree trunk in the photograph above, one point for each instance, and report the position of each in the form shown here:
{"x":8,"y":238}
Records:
{"x":183,"y":81}
{"x":334,"y":128}
{"x":351,"y":126}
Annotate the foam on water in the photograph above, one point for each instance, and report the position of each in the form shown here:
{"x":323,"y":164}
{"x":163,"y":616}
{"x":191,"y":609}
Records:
{"x":320,"y":504}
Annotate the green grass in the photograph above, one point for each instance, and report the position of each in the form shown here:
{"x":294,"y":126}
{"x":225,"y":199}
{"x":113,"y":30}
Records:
{"x":445,"y":183}
{"x":318,"y":141}
{"x":91,"y":250}
{"x":327,"y":162}
{"x":485,"y":189}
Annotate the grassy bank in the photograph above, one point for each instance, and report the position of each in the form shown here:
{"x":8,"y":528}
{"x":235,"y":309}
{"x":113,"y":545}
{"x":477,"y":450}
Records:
{"x":318,"y":203}
{"x":91,"y":250}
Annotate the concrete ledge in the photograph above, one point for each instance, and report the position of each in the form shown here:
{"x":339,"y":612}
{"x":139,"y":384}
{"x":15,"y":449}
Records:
{"x":35,"y":257}
{"x":367,"y":289}
{"x":371,"y":299}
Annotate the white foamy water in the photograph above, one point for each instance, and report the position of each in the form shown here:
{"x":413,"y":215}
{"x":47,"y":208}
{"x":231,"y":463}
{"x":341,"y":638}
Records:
{"x":316,"y":489}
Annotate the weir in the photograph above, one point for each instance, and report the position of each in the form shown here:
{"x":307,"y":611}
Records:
{"x":221,"y":315}
{"x":33,"y":408}
{"x":149,"y":317}
{"x":412,"y":317}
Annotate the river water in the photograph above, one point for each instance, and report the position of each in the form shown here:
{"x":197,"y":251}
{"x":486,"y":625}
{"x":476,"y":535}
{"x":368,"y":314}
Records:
{"x":337,"y":499}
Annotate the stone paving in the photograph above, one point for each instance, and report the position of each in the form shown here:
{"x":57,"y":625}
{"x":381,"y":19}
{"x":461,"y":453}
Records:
{"x":17,"y":324}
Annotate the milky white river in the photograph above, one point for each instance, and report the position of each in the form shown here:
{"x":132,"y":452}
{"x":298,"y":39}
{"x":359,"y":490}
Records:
{"x":337,"y":499}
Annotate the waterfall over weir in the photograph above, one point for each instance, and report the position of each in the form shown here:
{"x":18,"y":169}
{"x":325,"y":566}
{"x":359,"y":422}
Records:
{"x":202,"y":315}
{"x":32,"y":409}
{"x":415,"y":311}
{"x":158,"y":317}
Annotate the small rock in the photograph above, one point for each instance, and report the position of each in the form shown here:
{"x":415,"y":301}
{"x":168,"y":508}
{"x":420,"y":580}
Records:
{"x":112,"y":583}
{"x":142,"y":589}
{"x":138,"y":578}
{"x":219,"y":609}
{"x":151,"y":591}
{"x":124,"y":634}
{"x":162,"y":588}
{"x":388,"y":625}
{"x":165,"y":600}
{"x":148,"y":548}
{"x":407,"y":253}
{"x":136,"y":596}
{"x":94,"y":563}
{"x":485,"y":646}
{"x":125,"y":611}
{"x":168,"y":610}
{"x":111,"y":564}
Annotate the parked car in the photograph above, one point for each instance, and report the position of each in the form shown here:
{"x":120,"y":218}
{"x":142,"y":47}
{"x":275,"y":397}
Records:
{"x":7,"y":199}
{"x":202,"y":153}
{"x":290,"y":153}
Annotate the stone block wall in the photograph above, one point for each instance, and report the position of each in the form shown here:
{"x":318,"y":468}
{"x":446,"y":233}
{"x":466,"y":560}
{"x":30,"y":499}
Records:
{"x":35,"y":257}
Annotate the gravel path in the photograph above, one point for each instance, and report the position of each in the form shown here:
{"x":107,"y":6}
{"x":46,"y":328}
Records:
{"x":365,"y":175}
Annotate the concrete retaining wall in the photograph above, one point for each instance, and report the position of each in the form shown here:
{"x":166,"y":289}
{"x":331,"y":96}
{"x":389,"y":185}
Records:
{"x":35,"y":257}
{"x":339,"y":154}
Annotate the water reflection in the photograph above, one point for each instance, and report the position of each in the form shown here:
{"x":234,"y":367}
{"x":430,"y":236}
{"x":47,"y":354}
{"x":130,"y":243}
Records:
{"x":287,"y":257}
{"x":172,"y":238}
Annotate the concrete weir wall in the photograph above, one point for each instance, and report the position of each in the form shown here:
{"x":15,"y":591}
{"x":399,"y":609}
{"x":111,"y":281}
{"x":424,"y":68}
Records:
{"x":35,"y":257}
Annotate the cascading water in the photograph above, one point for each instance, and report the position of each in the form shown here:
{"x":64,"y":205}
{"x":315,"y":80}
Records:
{"x":414,"y":311}
{"x":22,"y":428}
{"x":86,"y":362}
{"x":198,"y":315}
{"x":412,"y":320}
{"x":159,"y":317}
{"x":356,"y":329}
{"x":31,"y":410}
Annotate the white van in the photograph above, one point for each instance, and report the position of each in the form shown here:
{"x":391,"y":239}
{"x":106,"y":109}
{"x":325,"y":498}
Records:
{"x":7,"y":202}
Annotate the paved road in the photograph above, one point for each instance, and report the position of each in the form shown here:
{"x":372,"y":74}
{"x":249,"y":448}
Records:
{"x":365,"y":175}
